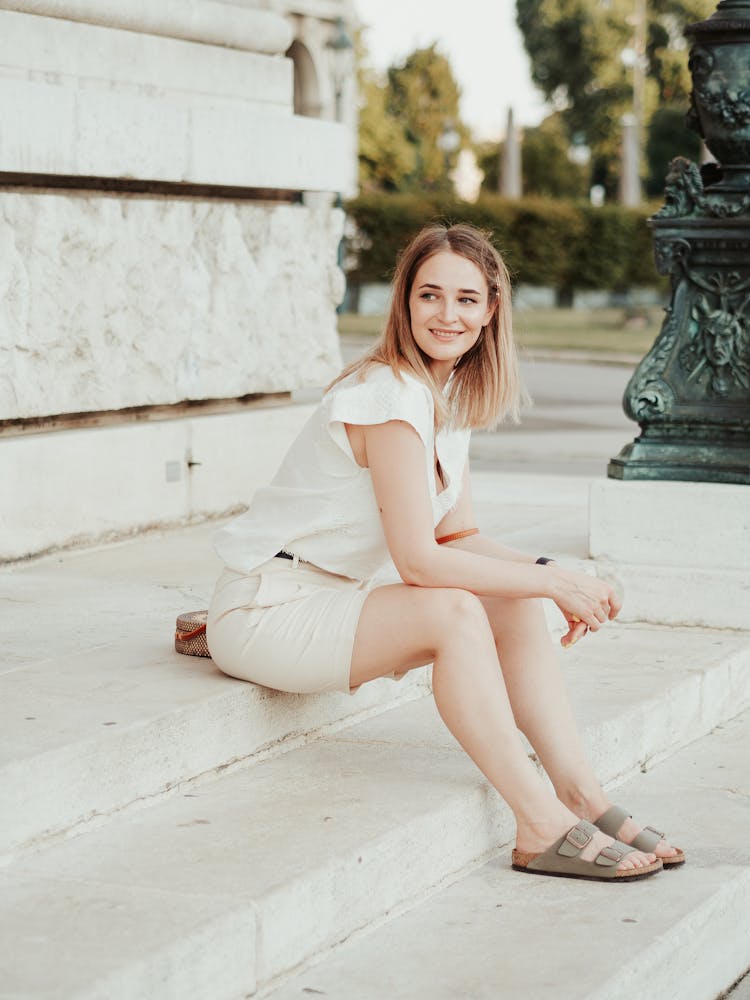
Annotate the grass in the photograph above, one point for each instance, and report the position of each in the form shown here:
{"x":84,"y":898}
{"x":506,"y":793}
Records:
{"x":600,"y":331}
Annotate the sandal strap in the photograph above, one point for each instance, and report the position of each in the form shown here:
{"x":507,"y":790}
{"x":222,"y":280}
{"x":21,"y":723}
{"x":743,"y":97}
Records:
{"x":563,"y":858}
{"x":581,"y":835}
{"x":647,"y":839}
{"x":611,"y":821}
{"x":613,"y":854}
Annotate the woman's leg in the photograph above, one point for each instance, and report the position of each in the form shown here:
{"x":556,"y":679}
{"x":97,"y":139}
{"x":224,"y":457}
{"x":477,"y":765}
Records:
{"x":542,"y":709}
{"x":403,"y":627}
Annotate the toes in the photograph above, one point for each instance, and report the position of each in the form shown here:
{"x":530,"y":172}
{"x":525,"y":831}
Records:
{"x":665,"y":850}
{"x":637,"y":859}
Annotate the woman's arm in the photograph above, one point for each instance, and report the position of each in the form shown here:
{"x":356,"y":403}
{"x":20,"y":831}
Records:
{"x":462,"y":517}
{"x":395,"y":456}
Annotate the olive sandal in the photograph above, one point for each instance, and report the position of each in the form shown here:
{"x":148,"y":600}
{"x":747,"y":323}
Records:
{"x":563,"y":859}
{"x":611,"y":822}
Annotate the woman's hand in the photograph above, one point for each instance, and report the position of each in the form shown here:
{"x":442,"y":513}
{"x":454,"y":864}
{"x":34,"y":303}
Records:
{"x":585,"y":601}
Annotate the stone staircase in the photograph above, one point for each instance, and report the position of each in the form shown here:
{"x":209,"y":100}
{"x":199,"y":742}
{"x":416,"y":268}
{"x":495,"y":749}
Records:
{"x":168,"y":832}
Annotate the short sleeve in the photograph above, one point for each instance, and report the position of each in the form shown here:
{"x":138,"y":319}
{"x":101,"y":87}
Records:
{"x":381,"y":396}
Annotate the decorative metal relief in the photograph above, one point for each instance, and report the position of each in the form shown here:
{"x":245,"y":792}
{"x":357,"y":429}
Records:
{"x":648,"y":396}
{"x":729,"y":106}
{"x":718,"y":334}
{"x":685,"y":196}
{"x":691,"y":392}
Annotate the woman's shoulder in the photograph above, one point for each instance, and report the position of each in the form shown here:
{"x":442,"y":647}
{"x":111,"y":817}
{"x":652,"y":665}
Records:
{"x":381,"y":377}
{"x":376,"y":393}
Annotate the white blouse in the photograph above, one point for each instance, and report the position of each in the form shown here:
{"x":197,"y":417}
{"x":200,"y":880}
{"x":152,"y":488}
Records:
{"x":320,"y":505}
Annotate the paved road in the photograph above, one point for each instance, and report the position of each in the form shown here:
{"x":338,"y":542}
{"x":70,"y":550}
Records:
{"x":575,"y":425}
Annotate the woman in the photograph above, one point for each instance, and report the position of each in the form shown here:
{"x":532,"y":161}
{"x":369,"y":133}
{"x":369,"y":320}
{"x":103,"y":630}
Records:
{"x":380,"y":473}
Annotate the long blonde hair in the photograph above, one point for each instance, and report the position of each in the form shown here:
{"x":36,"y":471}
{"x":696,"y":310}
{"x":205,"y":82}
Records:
{"x":485,"y":385}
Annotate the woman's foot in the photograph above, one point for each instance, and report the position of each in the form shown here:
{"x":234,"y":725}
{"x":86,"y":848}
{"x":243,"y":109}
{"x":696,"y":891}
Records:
{"x":581,"y":853}
{"x":595,"y":805}
{"x":535,"y":838}
{"x":616,"y":821}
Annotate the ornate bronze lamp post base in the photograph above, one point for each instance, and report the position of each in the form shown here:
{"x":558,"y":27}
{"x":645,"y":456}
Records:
{"x":691,"y":392}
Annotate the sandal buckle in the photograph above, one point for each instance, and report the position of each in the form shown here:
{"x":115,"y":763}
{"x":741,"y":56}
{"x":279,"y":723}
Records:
{"x":652,"y":829}
{"x":610,"y":855}
{"x":578,"y":838}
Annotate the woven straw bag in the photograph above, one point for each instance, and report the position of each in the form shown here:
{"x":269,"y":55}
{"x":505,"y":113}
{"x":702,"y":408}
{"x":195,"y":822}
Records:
{"x":190,"y":634}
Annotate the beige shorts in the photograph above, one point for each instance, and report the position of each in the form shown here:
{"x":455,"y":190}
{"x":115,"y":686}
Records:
{"x":288,"y":625}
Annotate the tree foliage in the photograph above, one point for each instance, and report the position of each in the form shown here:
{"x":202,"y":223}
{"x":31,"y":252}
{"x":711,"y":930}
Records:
{"x":386,"y":157}
{"x":401,"y":121}
{"x":561,"y":244}
{"x":576,"y":47}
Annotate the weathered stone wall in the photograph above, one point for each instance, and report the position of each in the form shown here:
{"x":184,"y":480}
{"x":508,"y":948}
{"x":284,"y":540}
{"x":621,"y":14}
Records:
{"x":109,"y":302}
{"x":220,"y":283}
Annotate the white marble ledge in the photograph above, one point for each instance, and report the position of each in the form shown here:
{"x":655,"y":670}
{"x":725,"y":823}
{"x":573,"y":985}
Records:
{"x":49,"y":129}
{"x":673,"y":525}
{"x":76,"y":55}
{"x":208,"y":21}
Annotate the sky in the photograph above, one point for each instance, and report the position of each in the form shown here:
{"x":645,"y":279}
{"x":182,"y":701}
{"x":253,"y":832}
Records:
{"x":482,"y":42}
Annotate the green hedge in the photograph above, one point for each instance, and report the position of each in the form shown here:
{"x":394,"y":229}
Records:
{"x":562,"y":244}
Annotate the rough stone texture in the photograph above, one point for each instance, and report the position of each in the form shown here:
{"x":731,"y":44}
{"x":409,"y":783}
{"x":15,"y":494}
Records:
{"x":109,"y":302}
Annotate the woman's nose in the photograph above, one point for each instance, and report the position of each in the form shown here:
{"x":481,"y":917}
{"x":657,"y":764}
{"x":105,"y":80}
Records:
{"x":448,"y":311}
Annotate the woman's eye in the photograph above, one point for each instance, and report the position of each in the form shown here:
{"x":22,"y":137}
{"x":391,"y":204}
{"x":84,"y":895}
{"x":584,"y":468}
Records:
{"x":427,"y":296}
{"x":468,"y":302}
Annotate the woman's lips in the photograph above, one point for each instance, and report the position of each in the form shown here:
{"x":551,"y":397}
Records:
{"x":446,"y":334}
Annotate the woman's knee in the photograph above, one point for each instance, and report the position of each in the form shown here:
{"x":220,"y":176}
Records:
{"x":457,"y":612}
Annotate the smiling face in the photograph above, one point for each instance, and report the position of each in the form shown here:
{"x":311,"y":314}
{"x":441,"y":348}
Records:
{"x":448,"y":306}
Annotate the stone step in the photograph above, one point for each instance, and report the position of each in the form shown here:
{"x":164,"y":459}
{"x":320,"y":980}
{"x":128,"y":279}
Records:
{"x":499,"y":935}
{"x":100,"y":713}
{"x":230,"y":885}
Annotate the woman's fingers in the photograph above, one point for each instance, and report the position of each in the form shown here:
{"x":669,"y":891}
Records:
{"x":576,"y":630}
{"x":587,"y":600}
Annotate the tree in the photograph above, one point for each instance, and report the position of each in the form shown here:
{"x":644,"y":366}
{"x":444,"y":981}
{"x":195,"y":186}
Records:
{"x":401,"y":121}
{"x":386,"y":157}
{"x":576,"y":48}
{"x":423,"y":95}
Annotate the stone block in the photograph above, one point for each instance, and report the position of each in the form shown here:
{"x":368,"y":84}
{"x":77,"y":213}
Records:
{"x":134,"y":942}
{"x":680,"y":551}
{"x":49,"y":129}
{"x":110,"y":302}
{"x":707,"y":598}
{"x":76,"y":56}
{"x":212,"y":22}
{"x":87,"y":486}
{"x":671,"y":524}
